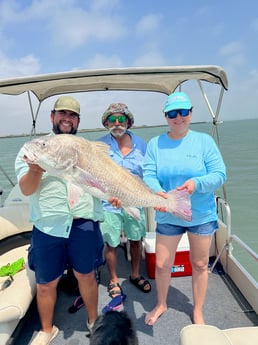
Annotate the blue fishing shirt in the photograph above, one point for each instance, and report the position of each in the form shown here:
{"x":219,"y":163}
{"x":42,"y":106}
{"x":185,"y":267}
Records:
{"x":169,"y":163}
{"x":132,"y":161}
{"x":49,"y":207}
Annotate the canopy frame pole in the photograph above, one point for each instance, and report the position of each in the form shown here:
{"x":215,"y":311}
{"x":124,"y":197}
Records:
{"x":34,"y":116}
{"x":215,"y":121}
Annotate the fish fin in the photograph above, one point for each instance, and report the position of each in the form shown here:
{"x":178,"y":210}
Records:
{"x":85,"y":182}
{"x":179,"y":203}
{"x":74,"y":194}
{"x":87,"y":179}
{"x":133,"y":211}
{"x":102,"y":147}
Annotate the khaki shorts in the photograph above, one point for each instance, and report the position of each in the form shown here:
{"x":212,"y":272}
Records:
{"x":115,"y":223}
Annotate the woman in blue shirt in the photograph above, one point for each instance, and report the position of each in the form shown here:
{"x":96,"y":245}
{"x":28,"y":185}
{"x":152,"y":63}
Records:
{"x":189,"y":160}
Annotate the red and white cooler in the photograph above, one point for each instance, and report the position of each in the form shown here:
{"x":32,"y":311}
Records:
{"x":182,"y":265}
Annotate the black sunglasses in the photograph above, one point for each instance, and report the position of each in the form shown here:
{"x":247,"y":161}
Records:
{"x":172,"y":114}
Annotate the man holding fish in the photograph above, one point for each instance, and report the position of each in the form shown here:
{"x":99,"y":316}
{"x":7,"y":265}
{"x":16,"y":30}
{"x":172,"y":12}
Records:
{"x":61,"y":233}
{"x":127,"y":150}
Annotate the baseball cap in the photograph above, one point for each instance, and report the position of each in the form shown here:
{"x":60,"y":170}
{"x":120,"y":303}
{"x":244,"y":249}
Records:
{"x":117,"y":108}
{"x":67,"y":103}
{"x":177,"y":100}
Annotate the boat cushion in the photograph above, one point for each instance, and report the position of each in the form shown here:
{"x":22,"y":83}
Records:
{"x":16,"y":299}
{"x":205,"y":334}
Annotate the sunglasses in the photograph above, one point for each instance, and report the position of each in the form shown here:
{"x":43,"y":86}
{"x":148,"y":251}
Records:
{"x":120,"y":118}
{"x":172,"y":114}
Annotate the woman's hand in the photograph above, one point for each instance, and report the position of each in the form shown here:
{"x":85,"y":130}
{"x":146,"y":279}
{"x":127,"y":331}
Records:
{"x":162,"y":208}
{"x":189,"y":186}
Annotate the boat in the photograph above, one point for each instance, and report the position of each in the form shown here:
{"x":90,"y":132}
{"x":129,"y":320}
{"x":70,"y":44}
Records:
{"x":232,"y":298}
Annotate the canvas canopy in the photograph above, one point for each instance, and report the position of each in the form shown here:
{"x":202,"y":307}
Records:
{"x":159,"y":79}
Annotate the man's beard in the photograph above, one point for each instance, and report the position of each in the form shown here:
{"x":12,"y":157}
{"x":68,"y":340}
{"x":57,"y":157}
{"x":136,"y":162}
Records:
{"x":117,"y":131}
{"x":57,"y":130}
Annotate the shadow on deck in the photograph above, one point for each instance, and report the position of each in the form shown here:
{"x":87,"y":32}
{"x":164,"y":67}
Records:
{"x":224,"y":308}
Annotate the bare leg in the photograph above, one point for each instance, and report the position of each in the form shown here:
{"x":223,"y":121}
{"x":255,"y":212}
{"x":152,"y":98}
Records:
{"x":165,"y":255}
{"x":111,"y":259}
{"x":46,"y":300}
{"x":199,"y":255}
{"x":136,"y":253}
{"x":89,"y":292}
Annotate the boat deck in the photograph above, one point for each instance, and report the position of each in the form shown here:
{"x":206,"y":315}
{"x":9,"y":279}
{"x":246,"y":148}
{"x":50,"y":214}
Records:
{"x":224,"y":308}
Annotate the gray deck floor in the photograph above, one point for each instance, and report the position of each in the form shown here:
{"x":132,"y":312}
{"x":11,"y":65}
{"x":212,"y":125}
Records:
{"x":222,"y":309}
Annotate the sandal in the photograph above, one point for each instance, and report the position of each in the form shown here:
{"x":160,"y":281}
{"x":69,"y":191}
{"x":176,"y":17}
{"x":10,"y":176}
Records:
{"x":116,"y":303}
{"x":77,"y":304}
{"x":141,"y":286}
{"x":112,"y":292}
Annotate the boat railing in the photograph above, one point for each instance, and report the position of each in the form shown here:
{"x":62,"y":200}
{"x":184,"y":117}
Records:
{"x":225,"y":222}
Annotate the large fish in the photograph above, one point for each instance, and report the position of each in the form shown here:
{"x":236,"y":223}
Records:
{"x":86,"y":166}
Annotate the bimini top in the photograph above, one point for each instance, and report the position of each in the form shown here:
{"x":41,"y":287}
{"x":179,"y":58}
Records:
{"x":159,"y":79}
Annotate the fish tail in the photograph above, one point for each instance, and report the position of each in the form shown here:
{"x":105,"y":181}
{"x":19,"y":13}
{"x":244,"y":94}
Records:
{"x":179,"y":204}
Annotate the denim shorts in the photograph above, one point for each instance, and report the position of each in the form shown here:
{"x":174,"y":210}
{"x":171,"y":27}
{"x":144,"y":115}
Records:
{"x":115,"y":222}
{"x":49,"y":256}
{"x":205,"y":229}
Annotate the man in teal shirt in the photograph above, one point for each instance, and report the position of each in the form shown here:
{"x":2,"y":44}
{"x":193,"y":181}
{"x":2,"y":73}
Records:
{"x":61,"y":234}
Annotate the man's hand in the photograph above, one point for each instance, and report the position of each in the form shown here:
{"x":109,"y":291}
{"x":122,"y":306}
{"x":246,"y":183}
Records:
{"x":35,"y":168}
{"x":115,"y":202}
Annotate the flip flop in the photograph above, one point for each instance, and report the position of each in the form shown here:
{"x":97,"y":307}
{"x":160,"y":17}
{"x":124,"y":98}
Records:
{"x":115,"y":304}
{"x":141,"y":286}
{"x":77,"y":304}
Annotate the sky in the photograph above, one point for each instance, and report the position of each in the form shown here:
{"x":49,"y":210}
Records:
{"x":38,"y":37}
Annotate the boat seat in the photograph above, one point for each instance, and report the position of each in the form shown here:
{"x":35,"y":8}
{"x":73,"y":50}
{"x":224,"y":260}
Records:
{"x":205,"y":334}
{"x":15,"y":299}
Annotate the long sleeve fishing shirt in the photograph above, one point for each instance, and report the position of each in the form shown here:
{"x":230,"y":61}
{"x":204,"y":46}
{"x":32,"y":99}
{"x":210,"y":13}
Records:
{"x":169,"y":163}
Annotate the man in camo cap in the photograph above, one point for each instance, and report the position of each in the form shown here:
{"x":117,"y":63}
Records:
{"x":127,"y":150}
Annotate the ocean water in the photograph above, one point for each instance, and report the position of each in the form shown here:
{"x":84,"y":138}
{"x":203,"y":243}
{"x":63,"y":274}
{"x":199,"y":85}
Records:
{"x":238,"y":142}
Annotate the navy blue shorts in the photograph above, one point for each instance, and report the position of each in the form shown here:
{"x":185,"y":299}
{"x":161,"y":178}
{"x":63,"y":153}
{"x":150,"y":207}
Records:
{"x":82,"y":251}
{"x":206,"y":229}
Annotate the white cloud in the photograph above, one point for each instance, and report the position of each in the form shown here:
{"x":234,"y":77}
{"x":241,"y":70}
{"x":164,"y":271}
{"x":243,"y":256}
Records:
{"x":81,"y":26}
{"x":148,"y":23}
{"x":151,"y":58}
{"x":102,"y":61}
{"x":26,"y":65}
{"x":68,"y":23}
{"x":231,"y":48}
{"x":234,"y":54}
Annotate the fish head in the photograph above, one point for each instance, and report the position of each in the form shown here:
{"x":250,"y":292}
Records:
{"x":52,"y":153}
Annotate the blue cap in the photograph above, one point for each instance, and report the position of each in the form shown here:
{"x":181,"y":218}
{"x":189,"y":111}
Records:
{"x":177,"y":100}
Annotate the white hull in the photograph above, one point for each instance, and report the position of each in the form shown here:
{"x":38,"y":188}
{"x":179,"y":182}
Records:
{"x":15,"y":225}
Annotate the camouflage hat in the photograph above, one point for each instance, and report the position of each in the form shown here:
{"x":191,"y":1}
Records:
{"x":117,"y":108}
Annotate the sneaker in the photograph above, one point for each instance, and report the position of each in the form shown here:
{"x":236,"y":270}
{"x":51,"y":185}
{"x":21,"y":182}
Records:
{"x":44,"y":338}
{"x":90,"y":326}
